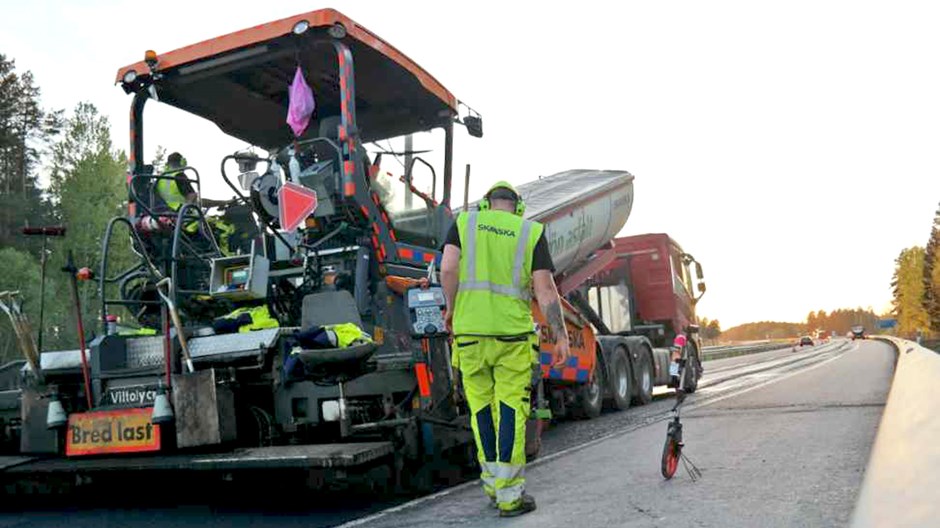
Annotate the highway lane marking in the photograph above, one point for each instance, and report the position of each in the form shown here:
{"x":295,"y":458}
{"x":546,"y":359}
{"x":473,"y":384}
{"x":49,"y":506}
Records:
{"x":763,"y":366}
{"x":573,"y":449}
{"x":766,"y":383}
{"x":779,"y":355}
{"x":788,"y":408}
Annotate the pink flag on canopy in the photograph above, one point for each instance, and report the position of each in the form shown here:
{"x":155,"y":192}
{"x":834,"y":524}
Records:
{"x":301,"y":104}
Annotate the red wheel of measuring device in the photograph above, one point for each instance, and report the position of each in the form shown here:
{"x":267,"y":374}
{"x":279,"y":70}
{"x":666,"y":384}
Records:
{"x":670,"y":462}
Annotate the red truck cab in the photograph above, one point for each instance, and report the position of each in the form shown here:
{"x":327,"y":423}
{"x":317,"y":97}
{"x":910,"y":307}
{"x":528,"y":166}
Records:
{"x":649,"y":288}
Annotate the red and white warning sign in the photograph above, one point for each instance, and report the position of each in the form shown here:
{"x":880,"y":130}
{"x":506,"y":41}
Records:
{"x":295,"y":203}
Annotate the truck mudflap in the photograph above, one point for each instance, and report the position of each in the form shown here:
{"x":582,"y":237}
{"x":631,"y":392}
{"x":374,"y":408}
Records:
{"x":318,"y":456}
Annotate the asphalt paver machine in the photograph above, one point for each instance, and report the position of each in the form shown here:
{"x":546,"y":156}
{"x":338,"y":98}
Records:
{"x":188,"y":397}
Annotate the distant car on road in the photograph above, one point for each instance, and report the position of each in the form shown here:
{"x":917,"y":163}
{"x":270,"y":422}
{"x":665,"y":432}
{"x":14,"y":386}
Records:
{"x":806,"y":341}
{"x":858,"y":332}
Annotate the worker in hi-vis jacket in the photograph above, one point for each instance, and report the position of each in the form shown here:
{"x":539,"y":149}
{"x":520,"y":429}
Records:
{"x":493,"y":260}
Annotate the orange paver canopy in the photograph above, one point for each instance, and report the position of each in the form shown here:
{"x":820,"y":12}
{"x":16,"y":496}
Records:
{"x":239,"y":81}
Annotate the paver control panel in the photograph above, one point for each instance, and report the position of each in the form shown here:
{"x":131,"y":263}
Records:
{"x":426,"y":306}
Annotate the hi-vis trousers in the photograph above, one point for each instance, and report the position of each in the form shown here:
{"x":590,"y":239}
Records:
{"x":497,"y":376}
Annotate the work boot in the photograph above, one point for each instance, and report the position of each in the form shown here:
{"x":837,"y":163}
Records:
{"x":526,"y":505}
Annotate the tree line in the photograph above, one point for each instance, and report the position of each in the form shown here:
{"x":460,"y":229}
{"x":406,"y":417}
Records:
{"x":56,"y":168}
{"x":763,"y":330}
{"x":709,"y":330}
{"x":915,"y":286}
{"x":839,"y":321}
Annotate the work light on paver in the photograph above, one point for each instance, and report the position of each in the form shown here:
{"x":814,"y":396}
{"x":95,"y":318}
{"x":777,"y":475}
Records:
{"x":301,"y":27}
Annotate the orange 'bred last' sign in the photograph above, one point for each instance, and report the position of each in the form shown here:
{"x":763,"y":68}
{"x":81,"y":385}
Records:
{"x":119,"y":431}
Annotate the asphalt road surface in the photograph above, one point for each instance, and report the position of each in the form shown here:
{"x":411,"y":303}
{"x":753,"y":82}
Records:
{"x":782,"y":439}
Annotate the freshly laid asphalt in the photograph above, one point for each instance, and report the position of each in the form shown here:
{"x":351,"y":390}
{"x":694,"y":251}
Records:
{"x":790,"y":451}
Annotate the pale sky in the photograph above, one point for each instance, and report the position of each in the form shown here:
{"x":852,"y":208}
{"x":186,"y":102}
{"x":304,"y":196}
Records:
{"x":791,"y":147}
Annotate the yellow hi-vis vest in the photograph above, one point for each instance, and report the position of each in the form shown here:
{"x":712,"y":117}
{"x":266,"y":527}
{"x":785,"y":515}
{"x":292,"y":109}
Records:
{"x":174,"y":199}
{"x":170,"y":191}
{"x":260,"y":318}
{"x":495,"y":281}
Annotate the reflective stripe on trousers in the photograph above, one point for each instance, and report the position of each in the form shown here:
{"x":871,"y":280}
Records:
{"x":508,"y":497}
{"x":510,"y":484}
{"x":503,"y":482}
{"x":488,"y":469}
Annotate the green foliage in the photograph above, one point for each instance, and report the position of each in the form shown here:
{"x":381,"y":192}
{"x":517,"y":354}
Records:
{"x":87,"y":183}
{"x":86,"y":190}
{"x":159,"y":159}
{"x":21,"y":273}
{"x":908,"y":290}
{"x":25,"y":131}
{"x":931,"y":277}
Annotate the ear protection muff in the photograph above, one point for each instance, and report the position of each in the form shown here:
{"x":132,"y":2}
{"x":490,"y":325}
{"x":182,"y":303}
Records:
{"x":520,"y":206}
{"x":485,"y":202}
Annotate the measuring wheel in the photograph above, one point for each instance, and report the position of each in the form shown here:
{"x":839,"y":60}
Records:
{"x":688,"y":377}
{"x":672,"y":449}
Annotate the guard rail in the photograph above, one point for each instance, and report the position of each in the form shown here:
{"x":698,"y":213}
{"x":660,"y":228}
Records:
{"x":903,"y":475}
{"x":718,"y":352}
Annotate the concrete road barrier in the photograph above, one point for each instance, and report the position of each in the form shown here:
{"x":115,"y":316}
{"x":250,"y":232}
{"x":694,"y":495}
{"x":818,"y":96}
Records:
{"x":902,"y":481}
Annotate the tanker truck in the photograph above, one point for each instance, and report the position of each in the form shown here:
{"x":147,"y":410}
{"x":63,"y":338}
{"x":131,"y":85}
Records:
{"x":625,"y":298}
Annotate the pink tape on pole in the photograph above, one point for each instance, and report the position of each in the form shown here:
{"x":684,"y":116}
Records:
{"x":301,"y":104}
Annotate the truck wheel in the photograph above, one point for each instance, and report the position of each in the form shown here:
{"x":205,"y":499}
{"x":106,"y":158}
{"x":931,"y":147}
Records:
{"x":590,"y":399}
{"x":590,"y":396}
{"x":644,"y":370}
{"x":621,"y":381}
